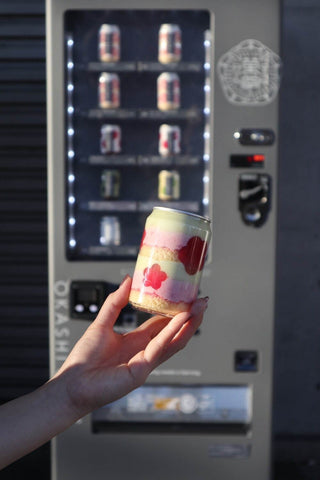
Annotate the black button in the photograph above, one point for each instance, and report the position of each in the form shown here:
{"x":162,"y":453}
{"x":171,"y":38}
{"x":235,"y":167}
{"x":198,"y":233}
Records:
{"x":86,"y":298}
{"x":255,"y":136}
{"x":254,"y":198}
{"x":246,"y":361}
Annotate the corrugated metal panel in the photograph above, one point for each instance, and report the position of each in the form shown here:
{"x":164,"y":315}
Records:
{"x":23,"y":215}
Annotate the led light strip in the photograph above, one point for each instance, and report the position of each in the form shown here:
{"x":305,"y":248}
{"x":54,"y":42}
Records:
{"x":70,"y":144}
{"x":207,"y":111}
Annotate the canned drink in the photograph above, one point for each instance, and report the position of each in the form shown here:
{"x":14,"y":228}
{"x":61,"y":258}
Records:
{"x":169,"y":185}
{"x":169,"y":139}
{"x":169,"y":43}
{"x":110,"y":231}
{"x":110,"y":184}
{"x":170,"y":262}
{"x":168,"y":87}
{"x":109,"y":90}
{"x":109,"y":43}
{"x":110,"y":139}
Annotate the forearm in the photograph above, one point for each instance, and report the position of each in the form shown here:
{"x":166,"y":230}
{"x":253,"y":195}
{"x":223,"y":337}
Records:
{"x":102,"y":367}
{"x":28,"y":422}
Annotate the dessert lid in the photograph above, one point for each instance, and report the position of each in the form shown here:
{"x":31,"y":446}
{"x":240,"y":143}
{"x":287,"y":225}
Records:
{"x":200,"y":217}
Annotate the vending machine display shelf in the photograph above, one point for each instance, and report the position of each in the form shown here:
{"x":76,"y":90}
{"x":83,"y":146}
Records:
{"x":136,"y":125}
{"x":139,"y":160}
{"x":110,"y":67}
{"x":141,"y":66}
{"x":189,"y":67}
{"x":182,"y":114}
{"x":186,"y":206}
{"x":118,"y":251}
{"x":103,"y":113}
{"x":131,"y":206}
{"x":171,"y":160}
{"x":110,"y":206}
{"x":110,"y":160}
{"x":142,"y":114}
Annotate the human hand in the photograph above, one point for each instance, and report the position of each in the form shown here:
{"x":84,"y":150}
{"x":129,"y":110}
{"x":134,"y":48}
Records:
{"x":104,"y":365}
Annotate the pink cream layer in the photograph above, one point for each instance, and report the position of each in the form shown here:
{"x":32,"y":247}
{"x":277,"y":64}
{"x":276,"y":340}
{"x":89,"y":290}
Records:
{"x":172,"y":290}
{"x":160,"y":238}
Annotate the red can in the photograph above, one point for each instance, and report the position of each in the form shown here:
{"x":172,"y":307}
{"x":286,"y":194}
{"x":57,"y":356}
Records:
{"x":169,"y":139}
{"x":109,"y":90}
{"x":168,"y":86}
{"x":169,"y":43}
{"x":109,"y":43}
{"x":110,"y":140}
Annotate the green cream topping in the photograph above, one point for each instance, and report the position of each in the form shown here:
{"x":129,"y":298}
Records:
{"x":172,"y":221}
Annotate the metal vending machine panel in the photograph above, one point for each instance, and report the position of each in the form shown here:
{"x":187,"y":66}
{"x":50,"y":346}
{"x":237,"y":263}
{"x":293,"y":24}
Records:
{"x":159,"y":103}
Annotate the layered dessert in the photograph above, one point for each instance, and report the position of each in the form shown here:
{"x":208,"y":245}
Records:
{"x":170,"y":262}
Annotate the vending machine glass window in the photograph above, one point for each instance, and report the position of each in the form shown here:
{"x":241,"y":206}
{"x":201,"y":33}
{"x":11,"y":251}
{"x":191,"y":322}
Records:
{"x":137,"y":123}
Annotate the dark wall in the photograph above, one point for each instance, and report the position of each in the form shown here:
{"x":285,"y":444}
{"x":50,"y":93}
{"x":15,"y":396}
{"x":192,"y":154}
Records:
{"x":297,"y":345}
{"x":23,"y":249}
{"x":297,"y":319}
{"x":24,"y":363}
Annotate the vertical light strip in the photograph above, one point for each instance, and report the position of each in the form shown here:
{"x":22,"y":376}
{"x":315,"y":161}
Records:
{"x":70,"y":143}
{"x":207,"y":116}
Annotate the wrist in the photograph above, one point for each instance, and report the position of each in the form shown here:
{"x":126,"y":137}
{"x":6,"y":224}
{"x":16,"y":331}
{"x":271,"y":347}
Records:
{"x":57,"y":392}
{"x":68,"y":385}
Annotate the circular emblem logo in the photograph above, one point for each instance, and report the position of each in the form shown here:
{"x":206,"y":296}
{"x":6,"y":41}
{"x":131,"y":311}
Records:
{"x":250,"y":73}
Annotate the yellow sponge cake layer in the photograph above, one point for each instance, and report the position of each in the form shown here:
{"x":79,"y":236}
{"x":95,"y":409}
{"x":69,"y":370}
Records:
{"x":157,"y":305}
{"x":159,"y":253}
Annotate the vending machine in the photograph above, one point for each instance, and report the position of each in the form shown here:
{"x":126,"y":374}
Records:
{"x":171,"y":104}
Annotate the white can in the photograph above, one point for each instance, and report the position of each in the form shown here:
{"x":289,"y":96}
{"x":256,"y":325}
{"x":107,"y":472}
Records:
{"x":110,"y":139}
{"x":168,"y":91}
{"x":169,"y":140}
{"x":110,"y":231}
{"x":109,"y":43}
{"x":169,"y":43}
{"x":109,"y":90}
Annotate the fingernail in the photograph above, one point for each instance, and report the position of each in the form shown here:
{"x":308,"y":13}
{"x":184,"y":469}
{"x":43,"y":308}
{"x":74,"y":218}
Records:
{"x":124,"y":279}
{"x":200,"y":305}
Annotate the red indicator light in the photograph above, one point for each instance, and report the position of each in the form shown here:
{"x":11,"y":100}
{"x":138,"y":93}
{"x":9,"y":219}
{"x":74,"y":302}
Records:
{"x":255,"y":159}
{"x":247,"y":161}
{"x":258,"y":158}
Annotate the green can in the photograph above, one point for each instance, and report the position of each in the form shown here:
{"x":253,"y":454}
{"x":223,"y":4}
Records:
{"x":169,"y":185}
{"x":110,"y":184}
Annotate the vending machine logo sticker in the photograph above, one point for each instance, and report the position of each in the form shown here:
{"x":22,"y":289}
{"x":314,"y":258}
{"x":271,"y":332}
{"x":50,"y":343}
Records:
{"x":250,"y":74}
{"x":61,"y":322}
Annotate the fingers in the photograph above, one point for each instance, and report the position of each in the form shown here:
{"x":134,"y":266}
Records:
{"x":174,"y":336}
{"x":114,"y":303}
{"x":188,"y":329}
{"x":137,"y":340}
{"x":149,"y":328}
{"x":159,"y":345}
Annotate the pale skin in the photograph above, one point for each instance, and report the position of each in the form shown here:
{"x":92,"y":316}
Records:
{"x":102,"y":367}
